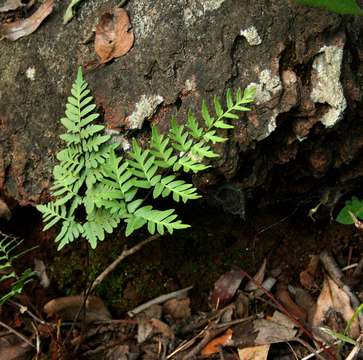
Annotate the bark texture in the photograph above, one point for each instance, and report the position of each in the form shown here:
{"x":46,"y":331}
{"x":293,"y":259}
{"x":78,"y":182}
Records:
{"x":306,"y":129}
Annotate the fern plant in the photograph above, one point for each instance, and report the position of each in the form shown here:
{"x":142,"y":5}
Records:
{"x":8,"y":245}
{"x":95,"y":188}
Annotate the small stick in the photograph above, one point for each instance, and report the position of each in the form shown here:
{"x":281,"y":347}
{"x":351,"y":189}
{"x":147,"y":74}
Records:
{"x":125,"y":253}
{"x":22,"y":337}
{"x":354,"y":353}
{"x":316,"y":353}
{"x":159,"y":300}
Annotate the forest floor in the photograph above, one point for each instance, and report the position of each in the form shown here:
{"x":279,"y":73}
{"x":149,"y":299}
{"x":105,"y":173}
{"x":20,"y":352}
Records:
{"x":297,"y":287}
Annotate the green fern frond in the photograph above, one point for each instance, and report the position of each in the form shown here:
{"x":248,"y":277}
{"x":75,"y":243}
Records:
{"x":8,"y":245}
{"x":93,"y":182}
{"x":156,"y":220}
{"x":178,"y":188}
{"x":98,"y":223}
{"x":160,"y":149}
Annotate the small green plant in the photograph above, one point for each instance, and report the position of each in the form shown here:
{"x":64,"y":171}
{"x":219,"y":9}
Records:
{"x":352,"y":211}
{"x":8,"y":244}
{"x":344,"y":7}
{"x":95,"y":188}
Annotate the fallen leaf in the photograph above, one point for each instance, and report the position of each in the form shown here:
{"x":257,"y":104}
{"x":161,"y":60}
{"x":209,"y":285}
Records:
{"x":19,"y":28}
{"x":178,"y":309}
{"x":67,"y":308}
{"x":294,"y":310}
{"x":11,"y":5}
{"x":213,"y":347}
{"x":254,"y":353}
{"x":257,"y":279}
{"x":225,"y":287}
{"x":242,"y":305}
{"x":5,"y":212}
{"x":162,"y":328}
{"x":282,"y":319}
{"x":261,"y":332}
{"x":307,"y":276}
{"x":333,"y":301}
{"x":113,"y":38}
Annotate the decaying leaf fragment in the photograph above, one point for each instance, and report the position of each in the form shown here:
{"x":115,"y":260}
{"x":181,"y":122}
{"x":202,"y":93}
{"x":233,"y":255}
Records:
{"x":19,"y":28}
{"x":113,"y":38}
{"x":67,"y":308}
{"x":11,"y":5}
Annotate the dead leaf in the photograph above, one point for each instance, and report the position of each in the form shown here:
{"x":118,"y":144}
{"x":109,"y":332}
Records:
{"x":67,"y":308}
{"x":24,"y":27}
{"x":11,"y":5}
{"x":261,"y":332}
{"x":294,"y":310}
{"x":258,"y":278}
{"x":162,"y":328}
{"x":333,"y":301}
{"x":213,"y":347}
{"x":5,"y":212}
{"x":242,"y":305}
{"x":225,"y":287}
{"x":178,"y":309}
{"x":282,"y":319}
{"x":12,"y":349}
{"x":307,"y":277}
{"x":254,"y":353}
{"x":113,"y":38}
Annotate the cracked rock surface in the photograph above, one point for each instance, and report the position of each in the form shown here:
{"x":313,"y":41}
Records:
{"x":305,"y":63}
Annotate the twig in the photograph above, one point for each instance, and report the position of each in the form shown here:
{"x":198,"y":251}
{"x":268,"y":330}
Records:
{"x":22,"y":337}
{"x":354,"y":353}
{"x":159,"y":300}
{"x":337,"y":275}
{"x":125,"y":253}
{"x":210,"y":335}
{"x":286,"y":312}
{"x":316,"y":353}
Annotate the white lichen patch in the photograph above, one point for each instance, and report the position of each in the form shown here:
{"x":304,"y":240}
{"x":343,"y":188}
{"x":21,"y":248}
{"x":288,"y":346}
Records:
{"x":190,"y":84}
{"x":144,"y":109}
{"x":197,"y":9}
{"x":118,"y":138}
{"x":211,"y":5}
{"x":30,"y":73}
{"x":251,"y":35}
{"x":267,"y":88}
{"x":326,"y":85}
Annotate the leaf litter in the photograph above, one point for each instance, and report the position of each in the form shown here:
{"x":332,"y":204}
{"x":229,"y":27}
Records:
{"x":19,"y":28}
{"x":254,"y":324}
{"x":113,"y":35}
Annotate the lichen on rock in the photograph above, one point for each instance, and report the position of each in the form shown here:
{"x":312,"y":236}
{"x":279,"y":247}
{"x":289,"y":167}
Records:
{"x":326,"y":85}
{"x":144,"y":109}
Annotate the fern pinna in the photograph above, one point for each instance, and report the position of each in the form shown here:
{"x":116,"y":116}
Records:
{"x":95,"y":188}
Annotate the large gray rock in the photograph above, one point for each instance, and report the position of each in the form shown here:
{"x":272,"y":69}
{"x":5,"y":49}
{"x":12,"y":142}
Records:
{"x":305,"y":64}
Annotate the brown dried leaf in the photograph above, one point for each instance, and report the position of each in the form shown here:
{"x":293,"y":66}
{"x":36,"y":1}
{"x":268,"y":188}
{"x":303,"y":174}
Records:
{"x":213,"y":347}
{"x":254,"y":353}
{"x":307,"y":276}
{"x":113,"y":38}
{"x":333,"y":299}
{"x":261,"y":332}
{"x":24,"y":27}
{"x":178,"y":309}
{"x":11,"y":5}
{"x":225,"y":287}
{"x":294,"y":310}
{"x":258,"y":278}
{"x":67,"y":308}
